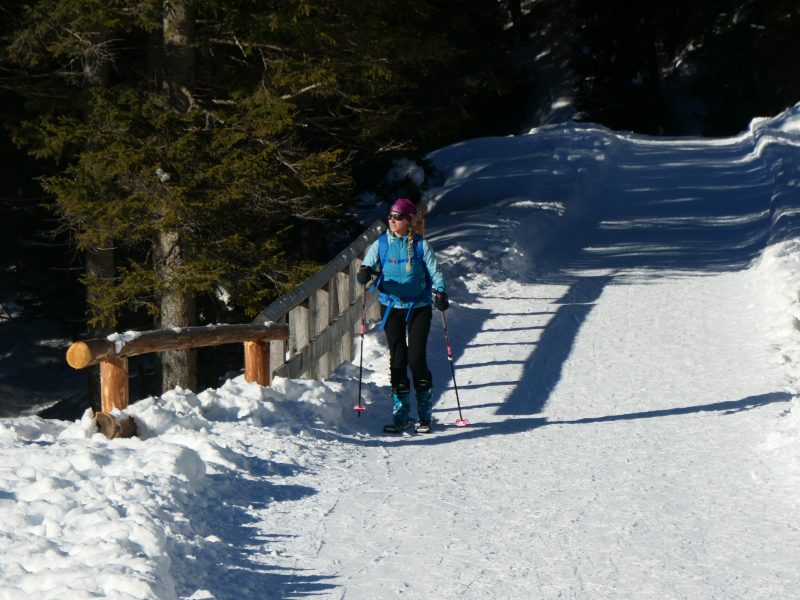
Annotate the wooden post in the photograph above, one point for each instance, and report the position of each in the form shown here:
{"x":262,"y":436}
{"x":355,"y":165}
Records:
{"x":343,"y":293}
{"x":256,"y":362}
{"x":355,"y":289}
{"x":373,"y":307}
{"x":114,"y":392}
{"x":322,"y":318}
{"x":277,"y":351}
{"x":298,"y":332}
{"x":335,"y":358}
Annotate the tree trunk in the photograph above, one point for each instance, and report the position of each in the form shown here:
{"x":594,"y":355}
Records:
{"x":652,"y":60}
{"x":178,"y":40}
{"x":100,"y":262}
{"x":518,"y":19}
{"x":178,"y":367}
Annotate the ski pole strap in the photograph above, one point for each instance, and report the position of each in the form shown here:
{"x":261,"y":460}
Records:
{"x":363,"y":314}
{"x":376,"y":282}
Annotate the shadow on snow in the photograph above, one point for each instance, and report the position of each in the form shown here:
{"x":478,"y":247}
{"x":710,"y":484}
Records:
{"x":450,"y":433}
{"x":238,"y":558}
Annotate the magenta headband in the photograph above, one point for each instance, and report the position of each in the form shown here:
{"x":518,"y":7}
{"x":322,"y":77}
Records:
{"x":404,"y":206}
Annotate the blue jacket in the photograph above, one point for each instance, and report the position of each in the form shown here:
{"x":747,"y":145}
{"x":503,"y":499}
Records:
{"x":398,"y":287}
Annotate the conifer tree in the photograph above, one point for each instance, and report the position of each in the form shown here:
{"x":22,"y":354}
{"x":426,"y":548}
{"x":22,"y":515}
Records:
{"x":202,"y":163}
{"x":177,"y":304}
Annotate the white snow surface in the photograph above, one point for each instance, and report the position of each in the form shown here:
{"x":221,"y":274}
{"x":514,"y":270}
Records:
{"x":624,"y":323}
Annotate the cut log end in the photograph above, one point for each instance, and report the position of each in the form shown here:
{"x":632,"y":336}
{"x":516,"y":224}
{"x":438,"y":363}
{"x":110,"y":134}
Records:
{"x":112,"y":427}
{"x":79,"y":355}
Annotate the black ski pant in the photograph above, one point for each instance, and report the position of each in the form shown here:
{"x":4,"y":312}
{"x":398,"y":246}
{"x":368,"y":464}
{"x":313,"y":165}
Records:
{"x":408,"y":353}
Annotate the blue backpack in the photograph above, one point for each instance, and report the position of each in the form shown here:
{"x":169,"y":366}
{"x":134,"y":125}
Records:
{"x":418,"y":256}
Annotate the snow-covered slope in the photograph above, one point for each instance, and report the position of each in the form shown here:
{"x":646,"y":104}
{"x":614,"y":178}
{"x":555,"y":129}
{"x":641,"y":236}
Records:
{"x":624,"y":326}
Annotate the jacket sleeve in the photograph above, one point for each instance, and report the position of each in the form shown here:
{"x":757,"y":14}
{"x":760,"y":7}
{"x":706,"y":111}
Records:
{"x":437,"y":279}
{"x":371,"y":259}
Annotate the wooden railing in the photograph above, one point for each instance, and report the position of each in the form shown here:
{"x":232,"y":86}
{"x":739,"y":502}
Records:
{"x":322,"y":314}
{"x":305,"y":333}
{"x":113,"y":359}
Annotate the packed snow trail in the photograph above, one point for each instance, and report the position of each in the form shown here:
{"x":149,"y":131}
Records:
{"x":624,"y":322}
{"x":618,"y":399}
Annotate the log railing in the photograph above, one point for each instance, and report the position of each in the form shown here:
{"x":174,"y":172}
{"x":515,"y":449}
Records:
{"x":113,"y":358}
{"x":305,"y":333}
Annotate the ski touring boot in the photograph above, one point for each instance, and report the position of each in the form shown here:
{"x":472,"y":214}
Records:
{"x":422,"y":388}
{"x":401,"y":406}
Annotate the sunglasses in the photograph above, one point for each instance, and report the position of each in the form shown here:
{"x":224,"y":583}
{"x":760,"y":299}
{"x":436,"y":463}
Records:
{"x":397,"y":217}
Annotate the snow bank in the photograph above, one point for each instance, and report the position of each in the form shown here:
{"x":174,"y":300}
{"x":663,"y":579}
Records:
{"x":82,"y":516}
{"x":778,"y":143}
{"x":520,"y":193}
{"x":779,"y":271}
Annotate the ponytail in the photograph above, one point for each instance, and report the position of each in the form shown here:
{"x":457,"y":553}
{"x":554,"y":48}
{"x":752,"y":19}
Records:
{"x":410,"y":248}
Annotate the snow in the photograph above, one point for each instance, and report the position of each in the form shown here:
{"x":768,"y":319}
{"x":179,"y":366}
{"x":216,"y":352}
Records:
{"x":624,"y":322}
{"x":120,"y":339}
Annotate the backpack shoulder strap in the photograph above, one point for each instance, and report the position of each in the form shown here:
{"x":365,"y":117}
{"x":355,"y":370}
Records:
{"x":419,"y":254}
{"x":383,"y":248}
{"x":419,"y":250}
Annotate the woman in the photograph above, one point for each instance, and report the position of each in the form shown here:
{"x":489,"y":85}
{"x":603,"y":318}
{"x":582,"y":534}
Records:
{"x":408,"y":280}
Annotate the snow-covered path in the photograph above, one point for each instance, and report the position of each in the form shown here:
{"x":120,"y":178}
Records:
{"x":618,"y":401}
{"x":624,"y":349}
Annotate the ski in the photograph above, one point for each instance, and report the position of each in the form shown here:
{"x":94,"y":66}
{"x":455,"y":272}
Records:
{"x":424,"y":428}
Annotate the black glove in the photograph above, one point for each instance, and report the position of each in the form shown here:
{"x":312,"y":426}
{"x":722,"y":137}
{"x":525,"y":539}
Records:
{"x":440,"y":301}
{"x":364,"y":275}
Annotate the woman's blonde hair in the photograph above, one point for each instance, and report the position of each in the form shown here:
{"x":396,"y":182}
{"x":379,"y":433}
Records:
{"x":416,"y":230}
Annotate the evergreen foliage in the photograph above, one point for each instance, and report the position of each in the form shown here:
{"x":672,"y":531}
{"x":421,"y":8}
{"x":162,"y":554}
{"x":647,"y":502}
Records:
{"x":288,"y":100}
{"x":642,"y":63}
{"x":293,"y":105}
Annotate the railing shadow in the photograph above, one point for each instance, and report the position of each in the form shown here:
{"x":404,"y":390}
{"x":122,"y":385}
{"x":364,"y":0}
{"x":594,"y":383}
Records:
{"x":728,"y":407}
{"x":463,"y":324}
{"x":542,"y":370}
{"x":450,"y":433}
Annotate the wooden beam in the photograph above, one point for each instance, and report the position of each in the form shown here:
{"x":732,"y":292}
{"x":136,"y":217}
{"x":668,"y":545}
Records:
{"x":89,"y":352}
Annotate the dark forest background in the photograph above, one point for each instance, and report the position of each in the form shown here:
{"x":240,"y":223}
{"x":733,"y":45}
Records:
{"x":159,"y":155}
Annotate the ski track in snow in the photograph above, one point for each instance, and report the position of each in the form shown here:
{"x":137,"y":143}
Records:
{"x":618,"y":353}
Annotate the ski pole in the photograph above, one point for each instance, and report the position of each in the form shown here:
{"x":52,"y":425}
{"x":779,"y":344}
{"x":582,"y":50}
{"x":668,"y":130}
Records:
{"x":359,"y":408}
{"x":461,"y":421}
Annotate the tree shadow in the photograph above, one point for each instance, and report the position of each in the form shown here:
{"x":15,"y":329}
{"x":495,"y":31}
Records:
{"x":684,"y":209}
{"x":234,"y":558}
